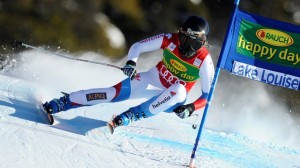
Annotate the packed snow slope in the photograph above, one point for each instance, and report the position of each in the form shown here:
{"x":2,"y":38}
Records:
{"x":79,"y":137}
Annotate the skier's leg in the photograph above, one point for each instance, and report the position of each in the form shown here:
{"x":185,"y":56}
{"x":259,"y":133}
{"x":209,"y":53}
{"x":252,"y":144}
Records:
{"x":118,"y":92}
{"x":174,"y":95}
{"x":145,"y":82}
{"x":144,"y":85}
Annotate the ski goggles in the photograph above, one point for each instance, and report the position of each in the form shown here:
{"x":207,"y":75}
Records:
{"x":195,"y":42}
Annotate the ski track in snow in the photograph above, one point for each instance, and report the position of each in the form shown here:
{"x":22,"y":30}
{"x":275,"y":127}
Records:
{"x":79,"y":137}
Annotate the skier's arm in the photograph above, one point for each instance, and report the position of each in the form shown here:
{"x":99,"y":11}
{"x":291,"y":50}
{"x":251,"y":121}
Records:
{"x":146,"y":45}
{"x":206,"y":73}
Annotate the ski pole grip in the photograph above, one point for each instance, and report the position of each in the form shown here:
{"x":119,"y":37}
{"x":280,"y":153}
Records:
{"x":18,"y":43}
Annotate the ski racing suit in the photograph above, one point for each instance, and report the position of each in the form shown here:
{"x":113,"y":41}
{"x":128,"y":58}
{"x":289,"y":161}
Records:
{"x":165,"y":86}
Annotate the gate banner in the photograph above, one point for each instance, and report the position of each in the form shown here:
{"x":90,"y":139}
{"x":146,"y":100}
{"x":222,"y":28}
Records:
{"x":263,"y":49}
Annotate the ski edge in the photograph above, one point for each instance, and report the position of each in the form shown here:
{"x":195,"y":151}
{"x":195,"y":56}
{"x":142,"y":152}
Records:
{"x":47,"y":116}
{"x":110,"y":128}
{"x":110,"y":125}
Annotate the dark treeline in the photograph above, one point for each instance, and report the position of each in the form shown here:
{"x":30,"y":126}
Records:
{"x":77,"y":25}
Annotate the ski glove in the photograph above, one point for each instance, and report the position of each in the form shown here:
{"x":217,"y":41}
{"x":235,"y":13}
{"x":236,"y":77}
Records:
{"x":184,"y":111}
{"x":129,"y":69}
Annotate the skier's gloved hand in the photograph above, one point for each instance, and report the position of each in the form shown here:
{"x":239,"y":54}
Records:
{"x":130,"y":69}
{"x":184,"y":111}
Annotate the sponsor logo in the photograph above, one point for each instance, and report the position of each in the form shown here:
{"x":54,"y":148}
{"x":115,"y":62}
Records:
{"x":166,"y":99}
{"x":191,"y":32}
{"x":178,"y":73}
{"x":268,"y":53}
{"x":266,"y":76}
{"x":152,"y":38}
{"x":177,"y":65}
{"x":268,"y":44}
{"x":96,"y":96}
{"x":179,"y":68}
{"x":172,"y":93}
{"x":274,"y":37}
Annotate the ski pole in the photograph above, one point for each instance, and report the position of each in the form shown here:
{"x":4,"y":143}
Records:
{"x":18,"y":43}
{"x":195,"y":121}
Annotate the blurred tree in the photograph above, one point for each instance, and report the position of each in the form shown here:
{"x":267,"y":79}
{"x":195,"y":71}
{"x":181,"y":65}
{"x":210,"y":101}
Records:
{"x":145,"y":18}
{"x":75,"y":25}
{"x":70,"y":24}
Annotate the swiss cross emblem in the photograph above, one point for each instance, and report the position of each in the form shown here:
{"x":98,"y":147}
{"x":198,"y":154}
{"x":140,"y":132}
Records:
{"x":197,"y":62}
{"x":171,"y":46}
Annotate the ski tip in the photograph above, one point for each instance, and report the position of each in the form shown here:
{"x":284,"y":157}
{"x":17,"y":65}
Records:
{"x":50,"y":119}
{"x":110,"y":127}
{"x":47,"y":116}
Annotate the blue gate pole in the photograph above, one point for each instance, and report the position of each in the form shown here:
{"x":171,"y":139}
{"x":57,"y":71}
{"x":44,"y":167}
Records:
{"x":224,"y":50}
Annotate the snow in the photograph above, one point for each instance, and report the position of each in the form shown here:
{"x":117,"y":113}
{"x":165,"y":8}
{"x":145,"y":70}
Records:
{"x":79,"y":137}
{"x":113,"y":33}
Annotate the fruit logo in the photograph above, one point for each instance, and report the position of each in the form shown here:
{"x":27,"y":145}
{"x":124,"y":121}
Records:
{"x":274,"y":37}
{"x":177,"y":65}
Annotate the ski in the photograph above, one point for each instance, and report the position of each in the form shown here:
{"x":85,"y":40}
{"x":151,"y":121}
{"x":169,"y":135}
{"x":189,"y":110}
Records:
{"x":111,"y":126}
{"x":47,"y":116}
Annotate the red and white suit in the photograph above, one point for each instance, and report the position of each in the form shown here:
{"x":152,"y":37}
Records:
{"x":165,"y":86}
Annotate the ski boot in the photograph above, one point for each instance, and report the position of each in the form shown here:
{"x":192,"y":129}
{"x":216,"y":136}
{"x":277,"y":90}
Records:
{"x":124,"y":118}
{"x":57,"y":105}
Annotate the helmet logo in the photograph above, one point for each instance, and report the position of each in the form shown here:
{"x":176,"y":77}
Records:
{"x":191,"y":32}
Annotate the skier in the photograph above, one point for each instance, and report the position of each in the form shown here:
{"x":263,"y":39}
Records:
{"x":185,"y":59}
